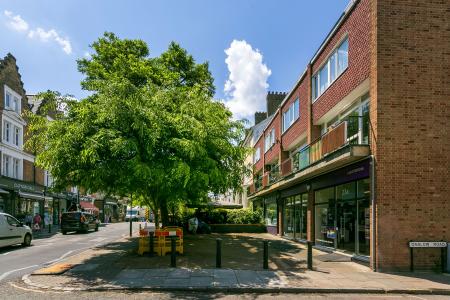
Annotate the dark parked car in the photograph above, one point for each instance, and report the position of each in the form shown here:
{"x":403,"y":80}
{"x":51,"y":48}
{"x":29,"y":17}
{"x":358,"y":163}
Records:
{"x":78,"y":221}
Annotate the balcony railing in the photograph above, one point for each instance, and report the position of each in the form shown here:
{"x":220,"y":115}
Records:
{"x":354,"y":131}
{"x":274,"y":174}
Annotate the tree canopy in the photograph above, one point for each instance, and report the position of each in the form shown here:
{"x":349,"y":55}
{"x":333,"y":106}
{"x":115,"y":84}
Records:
{"x":150,"y":128}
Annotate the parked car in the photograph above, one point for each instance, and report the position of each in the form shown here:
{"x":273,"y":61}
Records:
{"x":78,"y":221}
{"x":14,"y":232}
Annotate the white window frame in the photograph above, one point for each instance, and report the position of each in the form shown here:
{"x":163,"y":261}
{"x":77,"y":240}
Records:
{"x":257,"y":156}
{"x":6,"y":165}
{"x":7,"y":131}
{"x":291,"y":113}
{"x":316,"y":92}
{"x":15,"y":103}
{"x":17,"y":136}
{"x":269,"y":140}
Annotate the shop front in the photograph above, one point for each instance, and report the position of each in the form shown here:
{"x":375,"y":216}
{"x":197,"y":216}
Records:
{"x":294,"y":212}
{"x":21,"y":199}
{"x":342,"y":209}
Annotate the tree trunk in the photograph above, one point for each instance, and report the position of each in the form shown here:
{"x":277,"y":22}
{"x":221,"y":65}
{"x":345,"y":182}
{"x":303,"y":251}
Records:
{"x":164,"y":213}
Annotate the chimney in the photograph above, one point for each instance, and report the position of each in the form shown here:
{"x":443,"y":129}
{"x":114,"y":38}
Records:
{"x":274,"y":100}
{"x":260,"y":116}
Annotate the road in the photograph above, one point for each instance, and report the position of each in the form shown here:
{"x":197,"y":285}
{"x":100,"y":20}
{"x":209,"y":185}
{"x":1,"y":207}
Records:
{"x":17,"y":261}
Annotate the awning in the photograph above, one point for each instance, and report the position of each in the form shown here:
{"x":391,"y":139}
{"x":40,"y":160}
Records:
{"x":88,"y":205}
{"x":110,"y":203}
{"x":2,"y":191}
{"x":31,"y":196}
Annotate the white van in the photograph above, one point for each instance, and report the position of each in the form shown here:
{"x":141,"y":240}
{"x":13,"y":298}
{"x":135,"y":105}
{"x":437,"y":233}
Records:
{"x":13,"y":232}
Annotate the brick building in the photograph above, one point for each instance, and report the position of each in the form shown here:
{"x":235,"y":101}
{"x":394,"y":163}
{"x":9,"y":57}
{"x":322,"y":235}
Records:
{"x":24,"y":187}
{"x":356,"y":157}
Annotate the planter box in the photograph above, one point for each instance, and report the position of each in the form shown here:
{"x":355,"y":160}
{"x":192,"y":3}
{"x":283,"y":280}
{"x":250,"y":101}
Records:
{"x":238,"y":228}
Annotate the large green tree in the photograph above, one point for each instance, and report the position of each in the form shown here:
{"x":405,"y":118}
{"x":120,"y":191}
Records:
{"x":150,"y":128}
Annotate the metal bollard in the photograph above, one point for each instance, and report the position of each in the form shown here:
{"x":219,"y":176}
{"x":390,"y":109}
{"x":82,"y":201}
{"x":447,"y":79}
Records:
{"x":310,"y":262}
{"x":218,"y":253}
{"x":173,"y":258}
{"x":266,"y":255}
{"x":140,"y":228}
{"x":152,"y":244}
{"x":49,"y":228}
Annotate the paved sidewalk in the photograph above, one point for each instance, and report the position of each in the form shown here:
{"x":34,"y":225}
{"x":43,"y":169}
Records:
{"x":104,"y":268}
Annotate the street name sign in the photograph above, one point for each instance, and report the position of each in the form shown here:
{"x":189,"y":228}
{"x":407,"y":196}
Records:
{"x":427,"y":244}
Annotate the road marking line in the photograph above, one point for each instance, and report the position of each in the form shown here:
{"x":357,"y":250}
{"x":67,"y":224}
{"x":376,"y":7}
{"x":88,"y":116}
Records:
{"x":59,"y":258}
{"x":6,"y":274}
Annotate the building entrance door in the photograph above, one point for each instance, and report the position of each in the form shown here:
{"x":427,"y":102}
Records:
{"x":346,"y":222}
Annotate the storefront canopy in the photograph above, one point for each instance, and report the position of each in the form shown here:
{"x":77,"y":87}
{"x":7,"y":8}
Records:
{"x":32,"y":196}
{"x":88,"y":206}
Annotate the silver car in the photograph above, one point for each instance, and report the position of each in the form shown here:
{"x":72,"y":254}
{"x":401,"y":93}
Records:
{"x":13,"y":232}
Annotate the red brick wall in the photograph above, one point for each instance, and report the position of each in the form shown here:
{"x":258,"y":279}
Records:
{"x":357,"y":25}
{"x":260,"y":164}
{"x":410,"y":110}
{"x":275,"y":150}
{"x":301,"y":124}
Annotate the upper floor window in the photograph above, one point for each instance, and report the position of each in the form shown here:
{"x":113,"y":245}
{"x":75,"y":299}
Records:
{"x":12,"y":134}
{"x":269,"y":140}
{"x":12,"y":100}
{"x":6,"y":131}
{"x":11,"y":166}
{"x":257,"y":156}
{"x":292,"y":114}
{"x":332,"y":68}
{"x":16,"y":136}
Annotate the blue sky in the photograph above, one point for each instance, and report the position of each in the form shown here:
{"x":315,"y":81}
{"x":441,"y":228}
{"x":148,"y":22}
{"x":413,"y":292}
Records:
{"x":49,"y":36}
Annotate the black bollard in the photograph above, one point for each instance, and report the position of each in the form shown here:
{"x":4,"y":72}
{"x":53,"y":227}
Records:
{"x":140,"y":228}
{"x":173,"y":258}
{"x":218,"y":253}
{"x":266,"y":255}
{"x":49,"y":228}
{"x":310,"y":262}
{"x":152,"y":244}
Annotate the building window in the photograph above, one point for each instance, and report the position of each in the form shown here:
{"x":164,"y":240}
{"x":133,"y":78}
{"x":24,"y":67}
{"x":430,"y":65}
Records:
{"x":271,"y":213}
{"x":6,"y":131}
{"x":6,"y":165}
{"x":292,"y":114}
{"x":7,"y":99}
{"x":331,"y":69}
{"x":12,"y":100}
{"x":16,"y":136}
{"x":257,"y":155}
{"x":269,"y":140}
{"x":15,"y":171}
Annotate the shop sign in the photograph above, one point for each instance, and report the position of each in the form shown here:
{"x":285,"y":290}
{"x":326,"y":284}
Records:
{"x":331,"y":233}
{"x":427,"y":244}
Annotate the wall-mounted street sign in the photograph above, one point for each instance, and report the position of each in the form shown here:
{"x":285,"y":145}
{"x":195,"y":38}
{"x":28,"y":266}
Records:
{"x":427,"y":244}
{"x":441,"y":244}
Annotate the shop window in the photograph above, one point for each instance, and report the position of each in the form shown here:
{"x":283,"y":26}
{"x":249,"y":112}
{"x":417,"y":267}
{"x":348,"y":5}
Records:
{"x":363,"y":188}
{"x":270,"y":215}
{"x":346,"y":191}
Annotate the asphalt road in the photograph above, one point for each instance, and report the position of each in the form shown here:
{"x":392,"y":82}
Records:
{"x":17,"y":261}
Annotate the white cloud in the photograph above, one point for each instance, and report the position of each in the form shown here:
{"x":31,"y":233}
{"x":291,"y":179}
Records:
{"x":15,"y":22}
{"x":87,"y":55}
{"x":51,"y":35}
{"x":246,"y":87}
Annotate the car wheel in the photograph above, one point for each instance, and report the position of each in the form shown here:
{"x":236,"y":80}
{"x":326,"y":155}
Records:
{"x":27,"y":240}
{"x":64,"y":232}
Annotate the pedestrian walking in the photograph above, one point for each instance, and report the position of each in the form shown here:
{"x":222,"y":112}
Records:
{"x":28,"y":220}
{"x":37,"y":222}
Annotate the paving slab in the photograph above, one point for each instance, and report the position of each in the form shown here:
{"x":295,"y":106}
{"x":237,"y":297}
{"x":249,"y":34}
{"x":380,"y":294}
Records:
{"x":202,"y":272}
{"x":197,"y":281}
{"x":179,"y":273}
{"x":176,"y":282}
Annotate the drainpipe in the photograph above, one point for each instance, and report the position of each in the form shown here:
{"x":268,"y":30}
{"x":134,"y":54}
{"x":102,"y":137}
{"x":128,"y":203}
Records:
{"x":373,"y":202}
